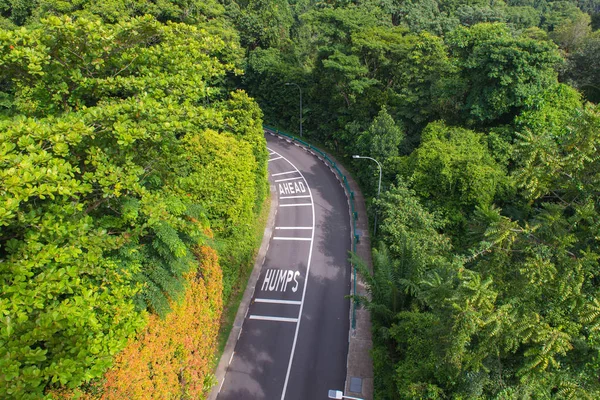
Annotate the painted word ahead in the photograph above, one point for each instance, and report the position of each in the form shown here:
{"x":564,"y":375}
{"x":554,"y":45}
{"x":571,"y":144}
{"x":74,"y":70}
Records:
{"x":277,"y":280}
{"x":292,"y":188}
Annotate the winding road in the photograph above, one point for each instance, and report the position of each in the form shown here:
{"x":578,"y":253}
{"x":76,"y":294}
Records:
{"x":294,"y":339}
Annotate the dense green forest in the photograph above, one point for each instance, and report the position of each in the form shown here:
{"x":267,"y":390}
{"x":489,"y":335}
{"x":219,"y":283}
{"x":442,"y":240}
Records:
{"x":483,"y":115}
{"x":126,"y":142}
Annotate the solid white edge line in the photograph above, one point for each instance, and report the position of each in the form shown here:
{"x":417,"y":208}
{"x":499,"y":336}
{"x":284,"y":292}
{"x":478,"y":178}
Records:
{"x":288,"y":179}
{"x":293,"y":227}
{"x":276,"y":301}
{"x":295,"y":205}
{"x":293,"y":197}
{"x":276,"y":319}
{"x":276,"y":158}
{"x":284,"y":173}
{"x":290,"y":238}
{"x":287,"y":375}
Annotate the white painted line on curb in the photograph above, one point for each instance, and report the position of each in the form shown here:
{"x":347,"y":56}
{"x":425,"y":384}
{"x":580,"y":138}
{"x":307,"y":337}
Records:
{"x":292,"y":197}
{"x":288,"y":179}
{"x":290,"y":238}
{"x":284,"y":173}
{"x":293,"y":227}
{"x":295,"y":205}
{"x":277,"y":319}
{"x":231,"y":357}
{"x":275,"y":301}
{"x":276,"y":158}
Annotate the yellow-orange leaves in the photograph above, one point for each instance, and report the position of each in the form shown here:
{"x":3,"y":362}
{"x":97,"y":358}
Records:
{"x":171,"y":358}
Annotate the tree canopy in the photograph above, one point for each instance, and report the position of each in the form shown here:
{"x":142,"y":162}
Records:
{"x":122,"y":147}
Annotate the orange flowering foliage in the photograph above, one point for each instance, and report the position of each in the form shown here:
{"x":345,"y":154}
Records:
{"x":172,"y":358}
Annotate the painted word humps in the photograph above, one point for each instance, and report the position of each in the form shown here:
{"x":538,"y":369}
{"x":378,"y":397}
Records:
{"x":276,"y":280}
{"x":292,"y":188}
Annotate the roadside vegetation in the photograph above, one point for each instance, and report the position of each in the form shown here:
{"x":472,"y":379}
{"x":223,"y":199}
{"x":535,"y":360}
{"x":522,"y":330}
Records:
{"x":133,"y":174}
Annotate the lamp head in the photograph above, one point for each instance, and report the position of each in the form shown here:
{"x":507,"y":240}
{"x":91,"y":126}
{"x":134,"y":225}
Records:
{"x":355,"y":156}
{"x":287,"y":84}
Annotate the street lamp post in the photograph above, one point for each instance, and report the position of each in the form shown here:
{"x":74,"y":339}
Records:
{"x":295,"y":84}
{"x":378,"y":188}
{"x":338,"y":395}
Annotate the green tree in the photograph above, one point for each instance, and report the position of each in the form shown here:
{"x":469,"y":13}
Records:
{"x":580,"y":71}
{"x":425,"y":15}
{"x":261,"y":23}
{"x":104,"y":141}
{"x":571,"y":34}
{"x":453,"y":169}
{"x":498,"y":72}
{"x":523,"y":17}
{"x":382,"y":139}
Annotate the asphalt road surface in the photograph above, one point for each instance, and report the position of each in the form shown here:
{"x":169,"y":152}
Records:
{"x":294,"y":340}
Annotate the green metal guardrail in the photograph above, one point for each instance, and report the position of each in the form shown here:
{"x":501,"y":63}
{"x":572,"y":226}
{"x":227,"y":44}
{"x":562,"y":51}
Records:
{"x":350,"y":194}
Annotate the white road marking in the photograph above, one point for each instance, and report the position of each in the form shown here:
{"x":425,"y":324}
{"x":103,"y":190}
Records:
{"x":295,"y":205}
{"x":276,"y":158}
{"x":278,"y":279}
{"x":278,"y":319}
{"x":284,"y":173}
{"x":293,"y":227}
{"x":276,"y":301}
{"x":299,"y":319}
{"x":292,"y":197}
{"x":290,"y":238}
{"x":289,"y":179}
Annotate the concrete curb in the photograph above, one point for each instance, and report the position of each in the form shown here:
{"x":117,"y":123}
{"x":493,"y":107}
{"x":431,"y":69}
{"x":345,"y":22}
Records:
{"x":236,"y":330}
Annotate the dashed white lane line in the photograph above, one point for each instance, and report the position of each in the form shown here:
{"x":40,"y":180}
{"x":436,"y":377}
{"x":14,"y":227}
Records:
{"x":299,"y":320}
{"x":276,"y":301}
{"x":293,"y":197}
{"x":277,"y":319}
{"x":291,"y":238}
{"x":276,"y":158}
{"x":295,"y":205}
{"x":289,"y":179}
{"x":293,"y":227}
{"x":284,"y":173}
